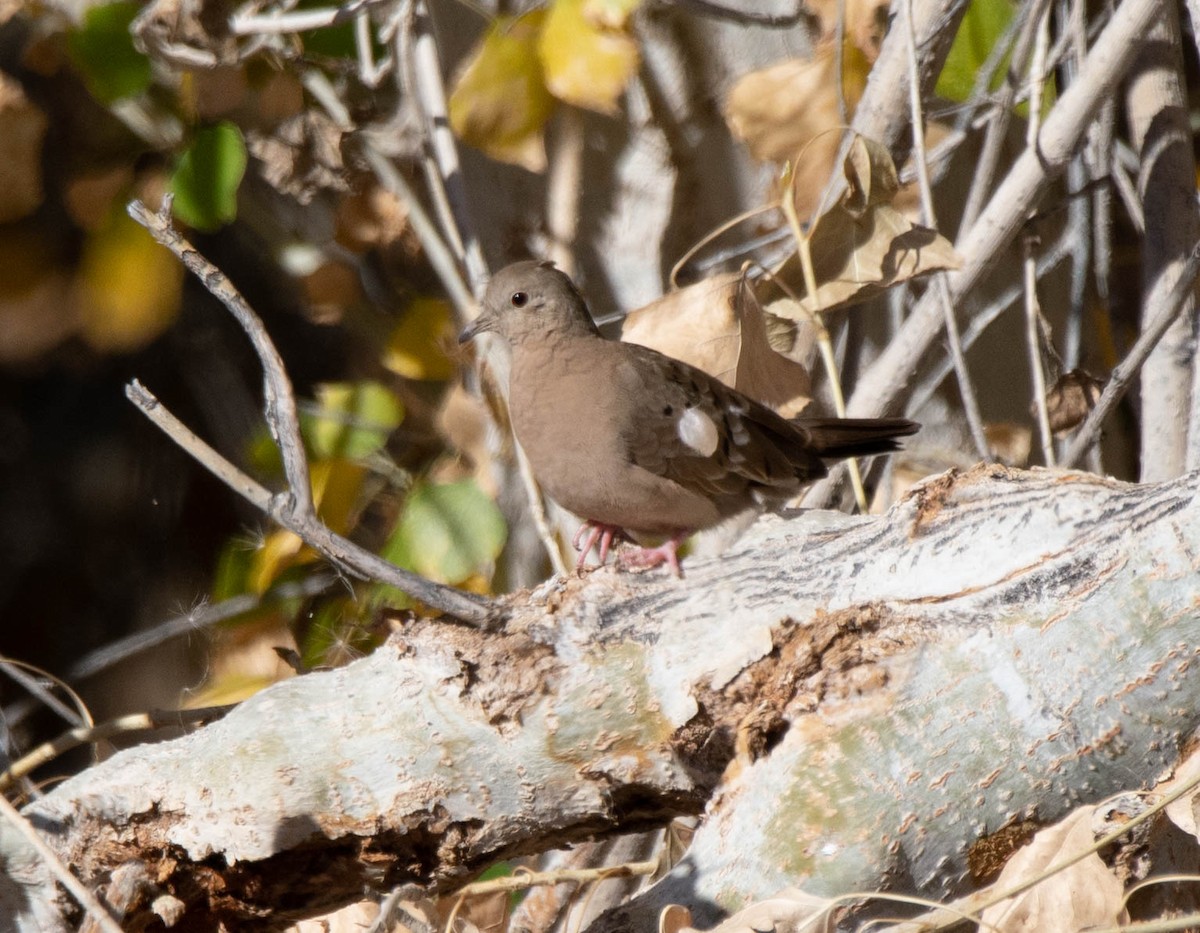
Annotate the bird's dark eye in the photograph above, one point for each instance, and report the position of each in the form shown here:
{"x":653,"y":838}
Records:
{"x":519,"y":299}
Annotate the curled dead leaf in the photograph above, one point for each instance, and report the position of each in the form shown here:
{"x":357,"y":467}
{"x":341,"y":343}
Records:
{"x":718,"y":326}
{"x":789,"y":112}
{"x":1071,"y":399}
{"x":791,"y":909}
{"x":1074,"y":898}
{"x":863,"y":245}
{"x":866,"y":21}
{"x":1185,"y":812}
{"x":674,"y":918}
{"x":301,"y":157}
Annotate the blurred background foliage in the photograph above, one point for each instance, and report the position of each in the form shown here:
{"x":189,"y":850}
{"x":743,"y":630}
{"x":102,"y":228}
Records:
{"x":105,"y":528}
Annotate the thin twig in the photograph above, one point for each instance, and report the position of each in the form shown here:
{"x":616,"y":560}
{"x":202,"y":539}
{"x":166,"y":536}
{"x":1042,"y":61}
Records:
{"x":997,"y":129}
{"x":341,"y":552}
{"x":86,"y":735}
{"x":294,"y":509}
{"x":298,"y":20}
{"x":196,"y":620}
{"x":716,"y":11}
{"x":278,"y":396}
{"x":1122,"y":376}
{"x":1037,"y":70}
{"x":444,"y":174}
{"x":564,"y":184}
{"x":880,"y":385}
{"x":87,"y":900}
{"x":980,"y":321}
{"x":28,"y":676}
{"x":438,"y":253}
{"x":524,"y":880}
{"x":966,"y":389}
{"x":537,"y":511}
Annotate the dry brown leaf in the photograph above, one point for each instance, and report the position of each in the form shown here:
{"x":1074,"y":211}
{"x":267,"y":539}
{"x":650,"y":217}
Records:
{"x":486,"y":913}
{"x":674,"y":918}
{"x":789,"y":911}
{"x":302,"y":157}
{"x":464,"y":422}
{"x":1184,"y":812}
{"x":375,"y":218}
{"x":216,"y":92}
{"x":1011,"y":443}
{"x":89,"y":197}
{"x":863,"y":245}
{"x":38,"y":316}
{"x":717,"y":325}
{"x":866,"y":21}
{"x":1071,"y":399}
{"x":1083,"y":895}
{"x":22,"y":129}
{"x":357,"y":918}
{"x":329,"y":290}
{"x":789,"y":112}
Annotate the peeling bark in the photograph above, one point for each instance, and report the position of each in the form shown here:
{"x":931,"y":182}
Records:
{"x":871,"y":696}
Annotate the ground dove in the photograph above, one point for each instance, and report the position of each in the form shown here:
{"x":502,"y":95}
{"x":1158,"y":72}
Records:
{"x":638,"y":444}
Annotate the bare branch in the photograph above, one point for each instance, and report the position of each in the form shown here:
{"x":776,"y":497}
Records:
{"x":966,"y":388}
{"x":293,"y":510}
{"x":1112,"y":54}
{"x":278,"y":397}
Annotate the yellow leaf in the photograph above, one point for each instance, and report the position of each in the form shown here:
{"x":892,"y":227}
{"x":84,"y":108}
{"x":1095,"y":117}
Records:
{"x":279,"y":551}
{"x":611,"y":14}
{"x":128,"y":286}
{"x":337,"y":487}
{"x":587,"y":64}
{"x":500,"y":103}
{"x":416,"y":348}
{"x":337,"y":490}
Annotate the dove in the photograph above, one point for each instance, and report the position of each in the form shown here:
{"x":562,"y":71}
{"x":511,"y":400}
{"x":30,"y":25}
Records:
{"x":640,"y":445}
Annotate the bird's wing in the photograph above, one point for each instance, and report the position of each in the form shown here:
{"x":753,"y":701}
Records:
{"x":688,"y":426}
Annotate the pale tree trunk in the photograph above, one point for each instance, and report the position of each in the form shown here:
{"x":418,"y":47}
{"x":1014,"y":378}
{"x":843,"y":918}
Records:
{"x":870,"y":695}
{"x":1156,"y":105}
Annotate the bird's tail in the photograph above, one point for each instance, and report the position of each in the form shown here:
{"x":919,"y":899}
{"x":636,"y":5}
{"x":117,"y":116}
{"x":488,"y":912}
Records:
{"x":833,"y":438}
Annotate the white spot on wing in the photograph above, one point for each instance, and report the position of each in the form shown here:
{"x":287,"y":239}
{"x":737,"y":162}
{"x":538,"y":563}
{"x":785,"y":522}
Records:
{"x":698,"y":431}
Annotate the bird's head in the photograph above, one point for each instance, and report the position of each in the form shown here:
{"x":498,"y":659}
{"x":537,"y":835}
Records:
{"x":530,"y":299}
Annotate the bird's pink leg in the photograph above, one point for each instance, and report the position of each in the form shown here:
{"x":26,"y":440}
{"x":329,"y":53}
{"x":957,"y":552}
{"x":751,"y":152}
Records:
{"x":595,"y":532}
{"x":665,"y":553}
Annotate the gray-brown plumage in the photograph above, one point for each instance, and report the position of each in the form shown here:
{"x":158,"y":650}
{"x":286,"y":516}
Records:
{"x":637,"y":443}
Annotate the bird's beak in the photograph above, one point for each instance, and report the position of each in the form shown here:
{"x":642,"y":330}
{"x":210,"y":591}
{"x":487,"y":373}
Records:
{"x":477,"y":326}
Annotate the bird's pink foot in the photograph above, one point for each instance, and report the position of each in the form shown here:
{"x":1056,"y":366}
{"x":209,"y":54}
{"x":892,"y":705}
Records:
{"x":665,"y":553}
{"x":595,"y":532}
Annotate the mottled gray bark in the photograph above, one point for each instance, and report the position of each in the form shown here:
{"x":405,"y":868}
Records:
{"x":1156,"y":106}
{"x":870,"y":694}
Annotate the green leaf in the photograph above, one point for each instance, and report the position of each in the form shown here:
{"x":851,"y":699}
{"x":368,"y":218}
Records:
{"x":102,"y":49}
{"x":981,"y":27}
{"x":447,"y":532}
{"x":207,"y":175}
{"x":352,"y":420}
